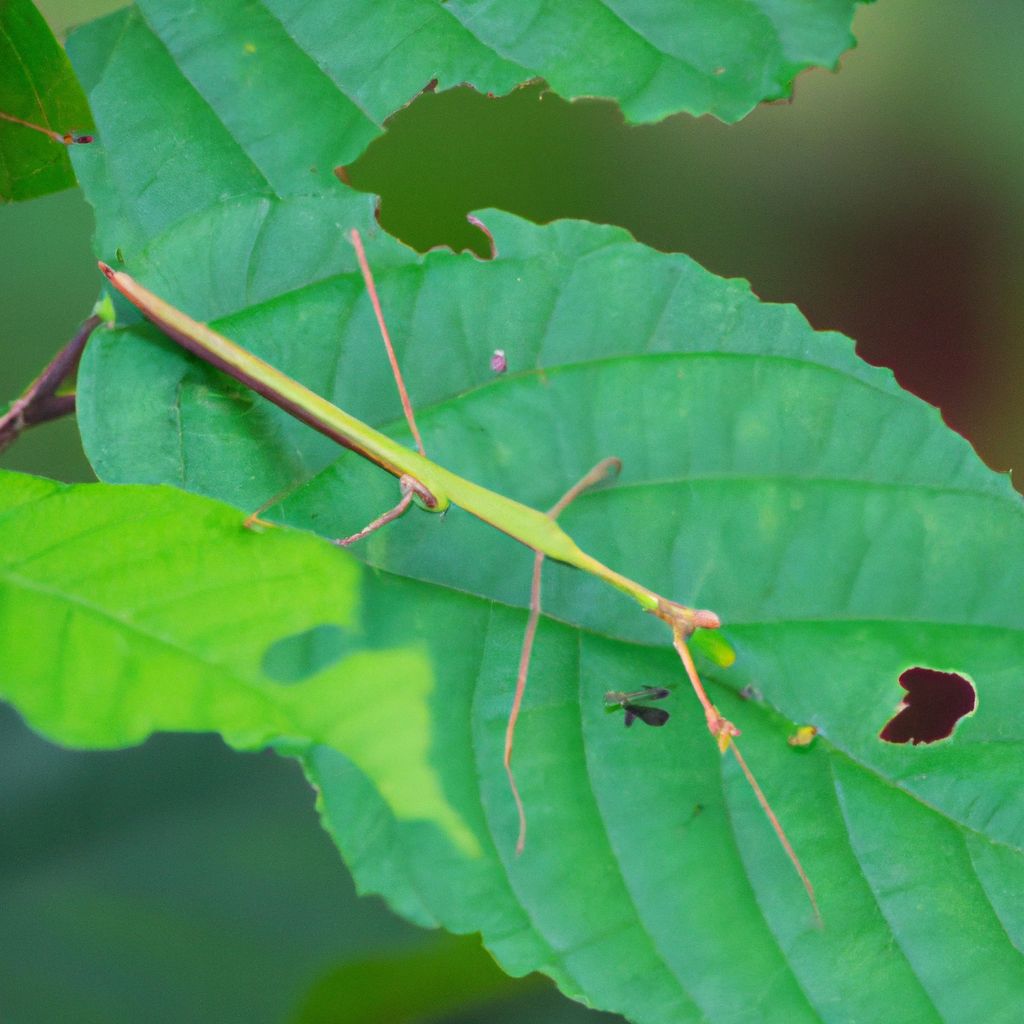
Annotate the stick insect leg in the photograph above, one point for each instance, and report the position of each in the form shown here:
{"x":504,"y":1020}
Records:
{"x":411,"y":488}
{"x":409,"y":485}
{"x":254,"y":518}
{"x":604,"y":469}
{"x":378,"y":312}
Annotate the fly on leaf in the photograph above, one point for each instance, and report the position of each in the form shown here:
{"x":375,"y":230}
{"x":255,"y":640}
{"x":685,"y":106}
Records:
{"x":616,"y":699}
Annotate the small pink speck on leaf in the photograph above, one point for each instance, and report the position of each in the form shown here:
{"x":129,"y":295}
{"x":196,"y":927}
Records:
{"x":934,"y":703}
{"x":499,"y":364}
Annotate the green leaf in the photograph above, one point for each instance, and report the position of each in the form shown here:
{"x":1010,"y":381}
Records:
{"x":36,"y":85}
{"x":843,"y":533}
{"x":130,"y":610}
{"x":655,"y":59}
{"x":841,"y":530}
{"x":302,"y":88}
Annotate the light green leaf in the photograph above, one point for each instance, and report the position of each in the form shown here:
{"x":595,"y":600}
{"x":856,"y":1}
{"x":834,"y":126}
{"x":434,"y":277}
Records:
{"x":36,"y":85}
{"x":129,"y":610}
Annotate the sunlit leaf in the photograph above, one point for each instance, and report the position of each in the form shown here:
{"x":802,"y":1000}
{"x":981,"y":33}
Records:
{"x":129,"y":610}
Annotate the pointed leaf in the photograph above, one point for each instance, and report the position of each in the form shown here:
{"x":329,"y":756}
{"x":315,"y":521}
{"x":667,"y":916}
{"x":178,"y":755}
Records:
{"x":841,"y":530}
{"x":36,"y":85}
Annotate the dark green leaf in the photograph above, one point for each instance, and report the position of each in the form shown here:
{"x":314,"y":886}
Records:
{"x":36,"y":85}
{"x":439,"y":978}
{"x":655,"y":59}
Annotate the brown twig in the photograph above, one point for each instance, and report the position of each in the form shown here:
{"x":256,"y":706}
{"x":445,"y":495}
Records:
{"x":52,"y":407}
{"x":40,"y":403}
{"x":65,"y":138}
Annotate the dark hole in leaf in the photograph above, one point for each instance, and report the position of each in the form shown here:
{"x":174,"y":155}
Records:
{"x":934,"y":703}
{"x":294,"y":658}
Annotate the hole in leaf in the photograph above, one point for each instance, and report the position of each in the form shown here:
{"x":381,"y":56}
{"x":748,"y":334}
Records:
{"x":295,"y":658}
{"x":934,"y":703}
{"x":451,"y":152}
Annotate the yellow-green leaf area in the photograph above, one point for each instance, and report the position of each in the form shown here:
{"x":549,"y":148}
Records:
{"x":131,"y":610}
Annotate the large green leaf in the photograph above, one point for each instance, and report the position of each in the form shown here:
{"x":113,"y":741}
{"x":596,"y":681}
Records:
{"x":843,"y":532}
{"x":840,"y":529}
{"x":128,"y":610}
{"x":36,"y":85}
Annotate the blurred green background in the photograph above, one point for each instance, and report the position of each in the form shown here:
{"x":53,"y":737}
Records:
{"x":179,"y":881}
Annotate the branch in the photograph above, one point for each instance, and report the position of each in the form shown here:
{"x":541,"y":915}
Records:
{"x":40,"y":403}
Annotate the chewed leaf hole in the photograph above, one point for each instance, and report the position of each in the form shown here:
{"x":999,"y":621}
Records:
{"x":934,"y":703}
{"x":295,"y":658}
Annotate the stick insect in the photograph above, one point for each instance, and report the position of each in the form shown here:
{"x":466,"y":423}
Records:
{"x":434,"y":488}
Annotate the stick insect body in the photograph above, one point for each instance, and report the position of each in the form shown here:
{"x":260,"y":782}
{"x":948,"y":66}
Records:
{"x":435,"y":488}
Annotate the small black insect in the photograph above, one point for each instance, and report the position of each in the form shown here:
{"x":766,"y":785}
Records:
{"x":616,"y":699}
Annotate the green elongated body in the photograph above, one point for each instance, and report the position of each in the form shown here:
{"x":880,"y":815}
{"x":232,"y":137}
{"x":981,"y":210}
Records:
{"x":437,"y":488}
{"x":531,"y":527}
